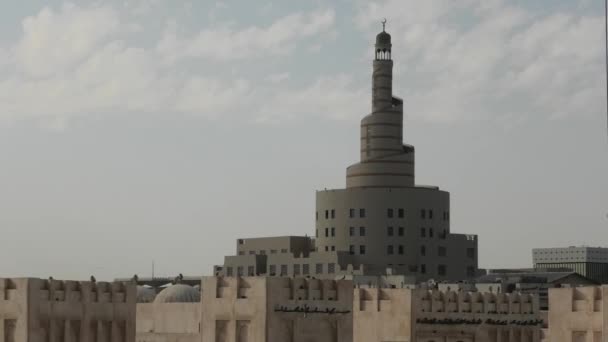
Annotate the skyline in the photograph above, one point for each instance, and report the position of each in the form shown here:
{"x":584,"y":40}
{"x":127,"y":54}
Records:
{"x":156,"y":145}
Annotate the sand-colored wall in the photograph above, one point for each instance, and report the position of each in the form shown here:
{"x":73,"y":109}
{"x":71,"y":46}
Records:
{"x":382,"y":315}
{"x":578,"y":314}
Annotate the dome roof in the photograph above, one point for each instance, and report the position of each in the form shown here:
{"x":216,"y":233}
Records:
{"x":178,"y":293}
{"x":145,"y":294}
{"x":383,"y":38}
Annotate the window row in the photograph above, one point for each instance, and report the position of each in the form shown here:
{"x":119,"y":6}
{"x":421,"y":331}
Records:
{"x":263,"y":252}
{"x":352,"y":249}
{"x":302,"y":269}
{"x":390,"y":250}
{"x":390,"y":231}
{"x":390,"y":213}
{"x":431,"y":233}
{"x":442,"y":270}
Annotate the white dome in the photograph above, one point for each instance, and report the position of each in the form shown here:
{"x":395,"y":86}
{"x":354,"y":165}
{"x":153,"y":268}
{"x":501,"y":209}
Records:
{"x":145,"y":294}
{"x":178,"y":293}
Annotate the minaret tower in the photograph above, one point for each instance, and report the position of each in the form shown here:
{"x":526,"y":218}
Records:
{"x":385,"y":160}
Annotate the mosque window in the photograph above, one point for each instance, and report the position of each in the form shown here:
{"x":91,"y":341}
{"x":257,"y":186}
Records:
{"x":441,"y":270}
{"x":362,"y":249}
{"x":250,"y":271}
{"x":400,"y":249}
{"x":389,"y":250}
{"x":362,"y":212}
{"x":333,"y":231}
{"x":351,"y":249}
{"x":229,"y":271}
{"x":352,"y":212}
{"x":471,"y":253}
{"x":422,"y":213}
{"x":272,"y":270}
{"x":389,"y":231}
{"x":331,"y":268}
{"x":319,"y":268}
{"x":401,"y":231}
{"x":389,"y":213}
{"x":283,"y":269}
{"x":361,"y":231}
{"x":400,"y":213}
{"x":305,"y":269}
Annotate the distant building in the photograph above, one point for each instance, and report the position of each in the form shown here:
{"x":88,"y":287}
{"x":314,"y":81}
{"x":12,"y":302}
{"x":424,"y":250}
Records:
{"x":382,"y":223}
{"x":531,"y":282}
{"x":34,"y":310}
{"x":591,"y":262}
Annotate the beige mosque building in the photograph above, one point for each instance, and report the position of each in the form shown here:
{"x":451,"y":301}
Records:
{"x":381,"y":224}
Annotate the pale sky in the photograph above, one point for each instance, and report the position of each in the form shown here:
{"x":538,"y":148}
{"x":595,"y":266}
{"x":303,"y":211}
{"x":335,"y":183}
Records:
{"x":133,"y":131}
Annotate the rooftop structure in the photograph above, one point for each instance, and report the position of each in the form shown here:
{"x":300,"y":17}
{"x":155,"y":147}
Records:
{"x":591,"y":262}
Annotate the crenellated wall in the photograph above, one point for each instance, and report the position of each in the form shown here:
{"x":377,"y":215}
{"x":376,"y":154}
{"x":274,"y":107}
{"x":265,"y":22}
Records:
{"x":36,"y":310}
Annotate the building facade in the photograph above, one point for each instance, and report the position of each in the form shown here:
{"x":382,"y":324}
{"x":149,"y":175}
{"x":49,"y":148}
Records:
{"x":591,"y":262}
{"x":578,"y":314}
{"x":36,"y":310}
{"x":382,"y":223}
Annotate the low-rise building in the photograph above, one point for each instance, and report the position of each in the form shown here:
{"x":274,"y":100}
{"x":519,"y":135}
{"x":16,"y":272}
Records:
{"x":591,"y":262}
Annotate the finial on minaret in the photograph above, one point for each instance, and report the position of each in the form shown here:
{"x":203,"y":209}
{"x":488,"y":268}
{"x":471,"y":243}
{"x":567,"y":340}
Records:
{"x":384,"y":25}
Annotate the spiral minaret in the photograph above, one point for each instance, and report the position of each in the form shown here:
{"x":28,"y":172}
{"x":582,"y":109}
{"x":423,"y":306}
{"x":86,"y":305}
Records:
{"x":385,"y":160}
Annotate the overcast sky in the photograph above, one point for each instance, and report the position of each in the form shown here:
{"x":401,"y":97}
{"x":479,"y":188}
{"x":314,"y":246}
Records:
{"x":133,"y":131}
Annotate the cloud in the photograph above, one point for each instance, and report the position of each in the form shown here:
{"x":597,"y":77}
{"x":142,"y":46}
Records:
{"x":482,"y":60}
{"x":227,"y":44}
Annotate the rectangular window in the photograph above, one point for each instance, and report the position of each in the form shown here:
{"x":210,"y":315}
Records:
{"x":361,"y":231}
{"x":351,"y":213}
{"x":331,"y":268}
{"x":333,"y":248}
{"x":442,"y":251}
{"x":273,"y":251}
{"x":229,"y":271}
{"x":430,"y":232}
{"x":239,"y":271}
{"x":430,"y":213}
{"x":333,"y":213}
{"x":362,"y":249}
{"x":361,"y":212}
{"x":251,"y":271}
{"x":319,"y":268}
{"x":283,"y":270}
{"x":423,"y":269}
{"x":326,"y":232}
{"x":296,"y":269}
{"x":401,"y":213}
{"x":316,"y":216}
{"x":401,"y":231}
{"x":316,"y":233}
{"x":441,"y":270}
{"x":422,"y":232}
{"x":327,"y":248}
{"x":351,"y":249}
{"x":272,"y":270}
{"x":241,"y":241}
{"x":305,"y":269}
{"x":422,"y":213}
{"x":333,"y":231}
{"x":351,"y":231}
{"x":471,"y":253}
{"x":326,"y":214}
{"x":389,"y":213}
{"x":284,"y":250}
{"x":389,"y":250}
{"x":423,"y":250}
{"x":389,"y":231}
{"x":400,"y":249}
